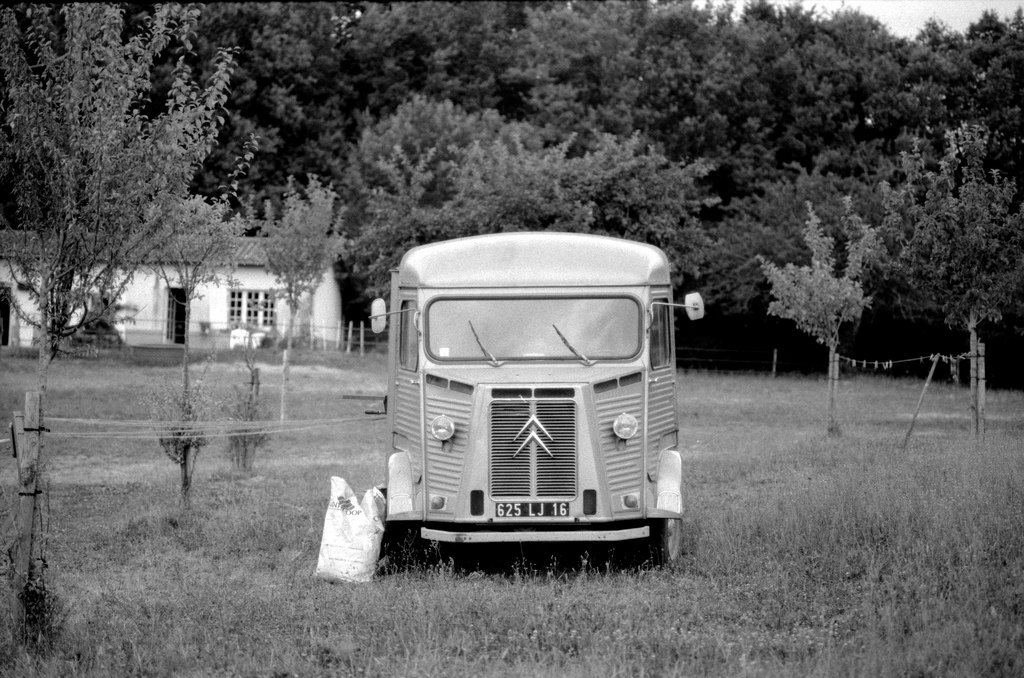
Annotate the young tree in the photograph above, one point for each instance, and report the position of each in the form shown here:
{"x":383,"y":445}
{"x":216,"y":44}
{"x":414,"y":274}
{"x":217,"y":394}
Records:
{"x":200,"y":251}
{"x":90,"y":173}
{"x":815,"y":297}
{"x":244,"y":407}
{"x":301,"y":245}
{"x":959,"y":239}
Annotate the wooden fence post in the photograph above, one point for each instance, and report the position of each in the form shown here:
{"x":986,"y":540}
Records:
{"x":362,"y":337}
{"x":775,"y":360}
{"x":26,"y":442}
{"x":253,"y":412}
{"x":348,"y":344}
{"x":18,"y":443}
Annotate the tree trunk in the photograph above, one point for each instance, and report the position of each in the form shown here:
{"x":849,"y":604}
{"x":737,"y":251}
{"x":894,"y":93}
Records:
{"x":187,"y":413}
{"x":981,"y":389}
{"x":186,"y":381}
{"x":292,"y":310}
{"x":45,"y":354}
{"x":833,"y":383}
{"x":972,"y":327}
{"x":186,"y":467}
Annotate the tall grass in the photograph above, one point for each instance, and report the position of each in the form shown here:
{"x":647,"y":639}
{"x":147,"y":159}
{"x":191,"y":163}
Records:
{"x":905,"y":565}
{"x":804,"y":555}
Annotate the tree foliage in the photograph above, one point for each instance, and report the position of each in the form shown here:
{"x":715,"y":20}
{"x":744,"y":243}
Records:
{"x":90,"y":173}
{"x":815,"y":296}
{"x":302,"y":245}
{"x":287,"y":89}
{"x":582,"y":70}
{"x":959,"y":235}
{"x":422,"y":126}
{"x":301,"y":241}
{"x":778,"y":104}
{"x":619,"y":189}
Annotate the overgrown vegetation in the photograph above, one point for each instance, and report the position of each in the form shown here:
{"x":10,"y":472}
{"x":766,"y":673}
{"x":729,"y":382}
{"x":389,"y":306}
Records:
{"x":804,"y":555}
{"x":182,"y":409}
{"x":244,"y":406}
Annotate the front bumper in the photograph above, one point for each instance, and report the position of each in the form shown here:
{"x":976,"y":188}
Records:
{"x":482,"y":537}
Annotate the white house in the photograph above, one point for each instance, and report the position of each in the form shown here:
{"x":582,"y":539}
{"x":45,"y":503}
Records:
{"x":151,"y":312}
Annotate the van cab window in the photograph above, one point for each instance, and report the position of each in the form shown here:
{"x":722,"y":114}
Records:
{"x":408,"y":349}
{"x":661,"y":338}
{"x":534,"y":328}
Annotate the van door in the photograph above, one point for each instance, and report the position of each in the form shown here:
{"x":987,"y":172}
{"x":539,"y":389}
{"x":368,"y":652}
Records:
{"x":407,"y":433}
{"x":662,"y":420}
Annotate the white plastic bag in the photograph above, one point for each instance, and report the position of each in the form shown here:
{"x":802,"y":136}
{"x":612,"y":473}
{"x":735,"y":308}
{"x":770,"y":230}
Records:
{"x":352,"y":534}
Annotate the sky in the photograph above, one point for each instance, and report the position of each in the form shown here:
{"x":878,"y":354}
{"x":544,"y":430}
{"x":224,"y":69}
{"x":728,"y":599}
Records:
{"x":906,"y":17}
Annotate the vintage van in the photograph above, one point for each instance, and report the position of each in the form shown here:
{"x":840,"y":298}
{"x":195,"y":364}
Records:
{"x":532,"y":392}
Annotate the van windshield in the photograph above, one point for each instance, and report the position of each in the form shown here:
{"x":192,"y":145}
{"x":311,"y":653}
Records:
{"x":538,"y":328}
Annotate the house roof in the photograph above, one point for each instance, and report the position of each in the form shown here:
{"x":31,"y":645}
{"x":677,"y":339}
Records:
{"x":249,"y":252}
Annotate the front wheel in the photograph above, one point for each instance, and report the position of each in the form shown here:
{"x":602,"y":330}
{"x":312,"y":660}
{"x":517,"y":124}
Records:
{"x":666,"y":541}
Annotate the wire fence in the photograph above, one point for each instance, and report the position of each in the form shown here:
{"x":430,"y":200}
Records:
{"x":774,"y":361}
{"x":723,"y":359}
{"x":140,"y":429}
{"x":62,"y":427}
{"x":687,"y":357}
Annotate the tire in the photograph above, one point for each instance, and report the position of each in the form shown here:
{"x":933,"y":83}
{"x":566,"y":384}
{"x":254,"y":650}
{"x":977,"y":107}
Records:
{"x":666,"y":541}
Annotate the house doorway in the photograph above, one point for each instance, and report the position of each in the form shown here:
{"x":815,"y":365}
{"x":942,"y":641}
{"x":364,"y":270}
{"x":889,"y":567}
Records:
{"x":176,"y":315}
{"x":5,"y":315}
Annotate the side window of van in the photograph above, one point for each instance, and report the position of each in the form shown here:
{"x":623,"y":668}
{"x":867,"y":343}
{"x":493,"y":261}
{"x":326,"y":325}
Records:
{"x":661,"y":335}
{"x":408,"y":350}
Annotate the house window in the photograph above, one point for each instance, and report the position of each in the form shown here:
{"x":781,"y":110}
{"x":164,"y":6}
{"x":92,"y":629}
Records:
{"x":253,"y":308}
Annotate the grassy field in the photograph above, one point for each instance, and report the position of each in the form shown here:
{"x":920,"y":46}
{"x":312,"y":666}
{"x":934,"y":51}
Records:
{"x":804,"y":555}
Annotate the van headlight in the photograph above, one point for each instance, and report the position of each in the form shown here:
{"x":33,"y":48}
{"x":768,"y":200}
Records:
{"x":625,"y":426}
{"x":442,"y":427}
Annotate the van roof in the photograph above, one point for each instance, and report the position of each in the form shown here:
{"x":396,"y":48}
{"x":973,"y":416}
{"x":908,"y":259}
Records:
{"x":534,"y":259}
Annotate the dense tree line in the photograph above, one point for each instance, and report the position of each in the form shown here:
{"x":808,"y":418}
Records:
{"x":696,"y":128}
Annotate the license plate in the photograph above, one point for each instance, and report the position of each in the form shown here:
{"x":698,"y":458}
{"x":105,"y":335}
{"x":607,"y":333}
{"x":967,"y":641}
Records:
{"x":531,"y":509}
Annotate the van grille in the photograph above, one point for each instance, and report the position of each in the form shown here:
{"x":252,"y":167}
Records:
{"x":533,"y":448}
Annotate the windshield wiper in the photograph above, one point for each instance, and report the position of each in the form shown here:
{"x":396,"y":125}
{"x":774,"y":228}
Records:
{"x":494,"y":362}
{"x":586,"y":361}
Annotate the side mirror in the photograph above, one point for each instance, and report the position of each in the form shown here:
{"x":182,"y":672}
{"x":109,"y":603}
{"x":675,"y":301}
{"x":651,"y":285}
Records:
{"x":378,"y":315}
{"x":694,"y":306}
